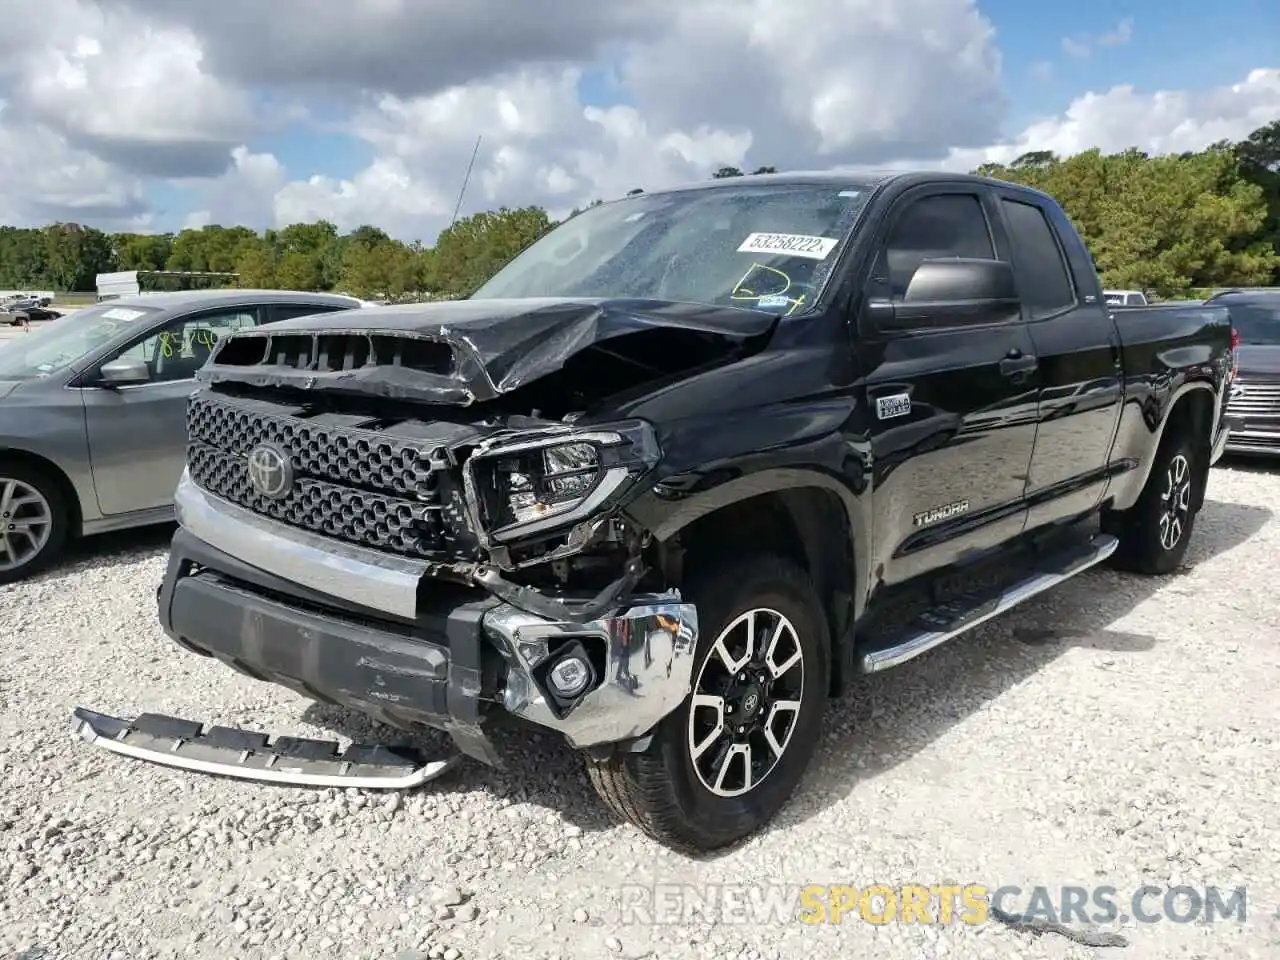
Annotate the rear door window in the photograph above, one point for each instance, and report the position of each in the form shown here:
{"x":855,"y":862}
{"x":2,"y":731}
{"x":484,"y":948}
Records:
{"x":1043,"y":279}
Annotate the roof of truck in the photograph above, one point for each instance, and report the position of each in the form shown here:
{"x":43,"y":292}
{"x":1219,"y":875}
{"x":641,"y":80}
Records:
{"x":858,"y":179}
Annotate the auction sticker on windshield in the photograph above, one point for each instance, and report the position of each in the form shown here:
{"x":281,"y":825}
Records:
{"x":789,"y":244}
{"x":120,"y":313}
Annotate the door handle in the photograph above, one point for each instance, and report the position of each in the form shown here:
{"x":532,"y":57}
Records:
{"x":1017,"y":364}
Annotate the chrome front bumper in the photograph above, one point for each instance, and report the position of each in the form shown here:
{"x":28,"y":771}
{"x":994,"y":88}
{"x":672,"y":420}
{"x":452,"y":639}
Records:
{"x":643,"y":652}
{"x":648,"y":667}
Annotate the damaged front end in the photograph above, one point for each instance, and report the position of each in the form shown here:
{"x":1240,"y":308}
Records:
{"x":373,"y":523}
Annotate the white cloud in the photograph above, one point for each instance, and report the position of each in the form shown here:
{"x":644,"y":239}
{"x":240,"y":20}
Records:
{"x":1121,"y":35}
{"x":104,"y":95}
{"x":926,"y":78}
{"x":44,"y":179}
{"x":242,"y":195}
{"x":874,"y":80}
{"x":623,"y":152}
{"x":1166,"y":121}
{"x":133,"y":92}
{"x":1082,"y":45}
{"x":1079,"y":47}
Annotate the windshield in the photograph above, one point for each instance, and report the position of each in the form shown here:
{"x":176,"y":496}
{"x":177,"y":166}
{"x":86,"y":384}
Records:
{"x":66,"y":340}
{"x":770,"y":247}
{"x":1256,"y":323}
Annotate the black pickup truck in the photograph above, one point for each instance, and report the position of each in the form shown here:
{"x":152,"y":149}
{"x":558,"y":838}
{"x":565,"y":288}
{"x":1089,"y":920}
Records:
{"x":673,"y":476}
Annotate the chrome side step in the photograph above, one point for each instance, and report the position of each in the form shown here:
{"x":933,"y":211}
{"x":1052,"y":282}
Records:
{"x":247,"y":755}
{"x":947,"y":621}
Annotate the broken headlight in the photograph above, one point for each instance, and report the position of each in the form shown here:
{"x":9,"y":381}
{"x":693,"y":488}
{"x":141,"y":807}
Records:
{"x":524,"y":485}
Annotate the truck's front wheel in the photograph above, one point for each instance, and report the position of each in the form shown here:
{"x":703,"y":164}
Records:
{"x":725,"y":762}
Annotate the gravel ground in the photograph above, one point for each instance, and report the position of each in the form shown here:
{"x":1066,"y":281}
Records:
{"x":1123,"y":732}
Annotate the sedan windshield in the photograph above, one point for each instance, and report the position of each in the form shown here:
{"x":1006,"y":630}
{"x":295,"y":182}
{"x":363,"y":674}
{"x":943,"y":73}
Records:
{"x":770,"y":247}
{"x":65,"y":341}
{"x":1256,"y":323}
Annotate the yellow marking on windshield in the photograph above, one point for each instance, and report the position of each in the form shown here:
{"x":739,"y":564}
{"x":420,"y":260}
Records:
{"x":741,"y":292}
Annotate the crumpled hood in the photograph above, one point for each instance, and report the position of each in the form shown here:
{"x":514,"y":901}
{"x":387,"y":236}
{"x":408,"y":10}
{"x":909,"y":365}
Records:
{"x":457,"y":352}
{"x":7,"y":387}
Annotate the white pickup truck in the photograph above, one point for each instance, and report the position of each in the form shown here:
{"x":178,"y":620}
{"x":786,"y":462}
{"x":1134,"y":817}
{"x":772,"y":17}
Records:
{"x":1124,"y":298}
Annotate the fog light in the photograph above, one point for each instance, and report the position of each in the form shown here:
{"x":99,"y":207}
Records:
{"x":570,"y":676}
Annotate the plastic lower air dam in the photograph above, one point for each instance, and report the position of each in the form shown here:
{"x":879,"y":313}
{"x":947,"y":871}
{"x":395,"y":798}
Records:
{"x":247,"y":755}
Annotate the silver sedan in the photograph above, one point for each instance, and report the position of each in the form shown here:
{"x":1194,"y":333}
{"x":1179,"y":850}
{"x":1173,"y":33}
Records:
{"x":93,"y":427}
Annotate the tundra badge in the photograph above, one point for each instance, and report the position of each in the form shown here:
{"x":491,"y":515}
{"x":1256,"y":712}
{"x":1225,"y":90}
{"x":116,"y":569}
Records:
{"x":944,"y":512}
{"x":894,"y":405}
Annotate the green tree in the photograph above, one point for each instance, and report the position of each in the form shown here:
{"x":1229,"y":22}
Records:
{"x":141,"y":251}
{"x":298,"y":271}
{"x":255,"y":261}
{"x":368,"y":269}
{"x":475,"y":248}
{"x":73,"y":256}
{"x":1168,"y":224}
{"x":1259,"y":158}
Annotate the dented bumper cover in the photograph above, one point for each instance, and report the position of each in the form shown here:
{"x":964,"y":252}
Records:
{"x":356,"y":627}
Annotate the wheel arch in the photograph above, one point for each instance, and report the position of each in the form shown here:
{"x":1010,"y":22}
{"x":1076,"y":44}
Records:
{"x":75,"y":520}
{"x":1190,"y":408}
{"x":1192,"y":416}
{"x":805,"y":516}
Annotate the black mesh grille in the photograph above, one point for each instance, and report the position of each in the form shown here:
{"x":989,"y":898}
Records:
{"x":347,"y":484}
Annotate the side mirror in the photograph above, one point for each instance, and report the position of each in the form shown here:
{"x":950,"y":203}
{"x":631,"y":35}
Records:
{"x":120,"y":372}
{"x":950,"y":292}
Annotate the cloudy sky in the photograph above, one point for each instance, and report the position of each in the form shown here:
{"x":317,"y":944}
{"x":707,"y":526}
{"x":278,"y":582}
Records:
{"x":159,"y":114}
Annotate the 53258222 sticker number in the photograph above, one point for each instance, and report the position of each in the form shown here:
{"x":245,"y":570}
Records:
{"x":789,"y":244}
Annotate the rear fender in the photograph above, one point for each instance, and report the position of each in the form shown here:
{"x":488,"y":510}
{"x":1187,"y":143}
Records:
{"x":1125,"y":489}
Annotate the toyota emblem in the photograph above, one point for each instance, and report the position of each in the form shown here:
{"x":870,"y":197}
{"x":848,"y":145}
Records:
{"x":270,"y":472}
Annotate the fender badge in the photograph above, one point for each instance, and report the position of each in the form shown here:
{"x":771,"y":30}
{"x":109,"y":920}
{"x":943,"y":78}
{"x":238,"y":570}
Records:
{"x":944,"y":512}
{"x":894,"y":405}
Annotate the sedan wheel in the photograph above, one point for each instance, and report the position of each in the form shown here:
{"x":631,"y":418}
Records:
{"x":32,"y":522}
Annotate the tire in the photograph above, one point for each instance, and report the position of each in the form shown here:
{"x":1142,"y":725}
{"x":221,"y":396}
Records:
{"x":1154,"y":533}
{"x":661,"y":790}
{"x":33,"y":496}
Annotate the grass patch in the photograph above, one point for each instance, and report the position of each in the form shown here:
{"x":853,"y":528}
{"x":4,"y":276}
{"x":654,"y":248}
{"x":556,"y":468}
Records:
{"x":73,"y":300}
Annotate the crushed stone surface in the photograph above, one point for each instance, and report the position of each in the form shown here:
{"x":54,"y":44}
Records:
{"x":1118,"y":732}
